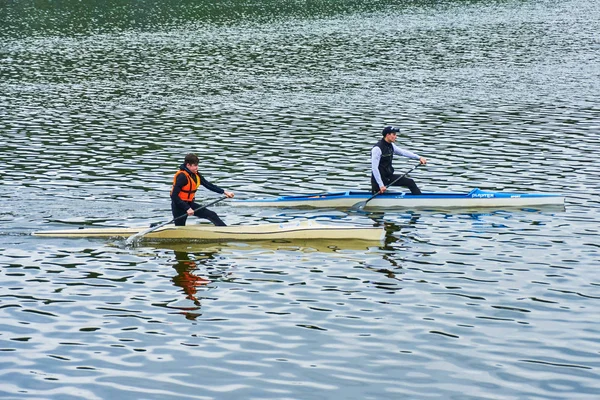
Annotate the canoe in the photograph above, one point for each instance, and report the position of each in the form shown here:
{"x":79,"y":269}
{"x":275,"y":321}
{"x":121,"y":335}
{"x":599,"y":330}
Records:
{"x":305,"y":230}
{"x":476,"y":198}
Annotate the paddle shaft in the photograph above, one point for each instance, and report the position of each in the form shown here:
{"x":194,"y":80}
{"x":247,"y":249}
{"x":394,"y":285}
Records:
{"x":362,"y":205}
{"x":138,"y":235}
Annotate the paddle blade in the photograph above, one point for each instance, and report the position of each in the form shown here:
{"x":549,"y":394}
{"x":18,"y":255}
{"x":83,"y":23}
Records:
{"x":359,"y":206}
{"x":135,"y":238}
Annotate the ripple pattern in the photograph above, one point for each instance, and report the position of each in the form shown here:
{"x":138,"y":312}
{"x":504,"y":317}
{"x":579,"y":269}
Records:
{"x":99,"y":104}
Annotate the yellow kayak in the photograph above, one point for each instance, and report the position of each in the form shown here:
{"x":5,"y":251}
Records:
{"x":305,"y":230}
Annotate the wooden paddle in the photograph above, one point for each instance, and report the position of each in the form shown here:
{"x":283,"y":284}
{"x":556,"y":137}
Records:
{"x":361,"y":205}
{"x":137,"y":236}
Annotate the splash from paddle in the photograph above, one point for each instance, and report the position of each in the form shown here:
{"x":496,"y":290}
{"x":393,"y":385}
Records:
{"x":361,"y":205}
{"x":134,"y":238}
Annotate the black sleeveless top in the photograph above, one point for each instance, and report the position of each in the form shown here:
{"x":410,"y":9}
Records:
{"x":385,"y":163}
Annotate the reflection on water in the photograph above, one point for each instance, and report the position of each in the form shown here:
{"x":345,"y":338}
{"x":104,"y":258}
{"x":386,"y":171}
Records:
{"x":99,"y":103}
{"x":188,"y":280}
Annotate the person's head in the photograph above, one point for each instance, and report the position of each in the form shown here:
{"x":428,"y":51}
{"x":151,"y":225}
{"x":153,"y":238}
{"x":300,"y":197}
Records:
{"x":191,"y":159}
{"x":191,"y":162}
{"x":389,"y":133}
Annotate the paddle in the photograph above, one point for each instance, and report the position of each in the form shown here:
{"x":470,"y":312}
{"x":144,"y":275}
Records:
{"x":133,"y":238}
{"x":362,"y":204}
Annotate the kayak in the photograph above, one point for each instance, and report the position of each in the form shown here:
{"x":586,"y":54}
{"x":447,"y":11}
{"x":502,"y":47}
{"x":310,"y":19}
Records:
{"x":476,"y":198}
{"x":305,"y":230}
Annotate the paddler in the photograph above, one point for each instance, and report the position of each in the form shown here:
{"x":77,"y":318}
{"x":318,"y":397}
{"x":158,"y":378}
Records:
{"x":185,"y":184}
{"x":382,"y":171}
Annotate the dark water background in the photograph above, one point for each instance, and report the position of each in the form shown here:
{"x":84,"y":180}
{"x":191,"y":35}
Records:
{"x":99,"y":103}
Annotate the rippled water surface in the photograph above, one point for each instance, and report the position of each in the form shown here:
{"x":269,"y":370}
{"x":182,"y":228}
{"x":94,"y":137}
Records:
{"x":99,"y":104}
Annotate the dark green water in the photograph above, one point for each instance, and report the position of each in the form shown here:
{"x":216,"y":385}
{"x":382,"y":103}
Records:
{"x":99,"y":103}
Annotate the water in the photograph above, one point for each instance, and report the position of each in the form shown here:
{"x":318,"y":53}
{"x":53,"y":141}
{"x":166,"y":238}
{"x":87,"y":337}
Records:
{"x":99,"y":103}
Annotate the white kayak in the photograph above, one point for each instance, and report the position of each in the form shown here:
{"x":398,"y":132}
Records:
{"x":475,"y":198}
{"x":304,"y":230}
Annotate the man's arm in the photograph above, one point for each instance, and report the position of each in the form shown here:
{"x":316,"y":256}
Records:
{"x":375,"y":158}
{"x":210,"y":186}
{"x":409,"y":154}
{"x":405,"y":153}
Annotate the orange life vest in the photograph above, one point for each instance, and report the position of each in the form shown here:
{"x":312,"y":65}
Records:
{"x":188,"y":191}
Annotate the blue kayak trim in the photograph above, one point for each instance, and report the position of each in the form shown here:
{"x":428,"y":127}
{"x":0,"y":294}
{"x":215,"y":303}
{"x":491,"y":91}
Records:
{"x":358,"y":195}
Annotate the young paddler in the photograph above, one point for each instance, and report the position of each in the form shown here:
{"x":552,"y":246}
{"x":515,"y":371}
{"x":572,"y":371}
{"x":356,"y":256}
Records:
{"x":185,"y":184}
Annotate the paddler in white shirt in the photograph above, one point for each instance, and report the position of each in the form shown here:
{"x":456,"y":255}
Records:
{"x":382,"y":171}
